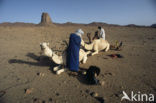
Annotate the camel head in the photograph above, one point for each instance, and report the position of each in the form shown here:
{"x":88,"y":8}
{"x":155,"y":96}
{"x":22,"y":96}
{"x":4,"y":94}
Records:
{"x":44,"y":45}
{"x":86,"y":46}
{"x":96,"y":36}
{"x":48,"y":52}
{"x":45,"y":50}
{"x":89,"y":37}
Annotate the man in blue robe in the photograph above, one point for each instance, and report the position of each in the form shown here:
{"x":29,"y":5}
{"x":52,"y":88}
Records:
{"x":73,"y":50}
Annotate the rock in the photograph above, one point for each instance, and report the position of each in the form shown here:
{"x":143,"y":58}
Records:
{"x":2,"y":93}
{"x":45,"y":20}
{"x":81,"y":91}
{"x":18,"y":79}
{"x":38,"y":74}
{"x":28,"y":91}
{"x":100,"y":99}
{"x":41,"y":74}
{"x":87,"y":91}
{"x":118,"y":94}
{"x":102,"y":83}
{"x":64,"y":82}
{"x":121,"y":87}
{"x":57,"y":94}
{"x":65,"y":101}
{"x":50,"y":99}
{"x":43,"y":101}
{"x":77,"y":86}
{"x":153,"y":25}
{"x":152,"y":50}
{"x":94,"y":94}
{"x":82,"y":95}
{"x":36,"y":100}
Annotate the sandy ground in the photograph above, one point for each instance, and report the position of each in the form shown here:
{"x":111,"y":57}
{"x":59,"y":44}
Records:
{"x":23,"y":79}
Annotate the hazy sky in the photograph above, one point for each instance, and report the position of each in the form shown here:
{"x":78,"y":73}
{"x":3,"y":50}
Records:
{"x":141,"y":12}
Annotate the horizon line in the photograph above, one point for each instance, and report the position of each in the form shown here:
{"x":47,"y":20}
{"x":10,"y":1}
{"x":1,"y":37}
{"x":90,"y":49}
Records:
{"x":78,"y":23}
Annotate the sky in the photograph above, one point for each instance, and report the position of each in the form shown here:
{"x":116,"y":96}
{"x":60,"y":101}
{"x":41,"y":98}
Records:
{"x":122,"y":12}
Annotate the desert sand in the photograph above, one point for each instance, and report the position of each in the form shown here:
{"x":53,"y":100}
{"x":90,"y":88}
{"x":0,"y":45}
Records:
{"x":25,"y":79}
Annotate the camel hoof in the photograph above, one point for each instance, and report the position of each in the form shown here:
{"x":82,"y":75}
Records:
{"x":60,"y":71}
{"x":55,"y":68}
{"x":92,"y":54}
{"x":83,"y":62}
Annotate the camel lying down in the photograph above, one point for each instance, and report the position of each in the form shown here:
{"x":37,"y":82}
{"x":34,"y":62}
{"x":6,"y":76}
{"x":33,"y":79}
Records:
{"x":61,"y":60}
{"x":96,"y":45}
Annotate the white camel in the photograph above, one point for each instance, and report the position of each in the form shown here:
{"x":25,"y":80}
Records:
{"x":61,"y":60}
{"x":96,"y":46}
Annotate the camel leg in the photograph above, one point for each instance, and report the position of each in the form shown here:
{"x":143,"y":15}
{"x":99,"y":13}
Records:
{"x":88,"y":52}
{"x":107,"y":48}
{"x":56,"y":68}
{"x":95,"y":49}
{"x":60,"y":71}
{"x":96,"y":52}
{"x":84,"y":59}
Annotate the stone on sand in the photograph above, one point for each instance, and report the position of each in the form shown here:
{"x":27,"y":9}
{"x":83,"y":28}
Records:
{"x":28,"y":90}
{"x":102,"y":83}
{"x":94,"y":94}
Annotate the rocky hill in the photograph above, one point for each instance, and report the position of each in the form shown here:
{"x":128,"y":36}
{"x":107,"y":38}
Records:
{"x":45,"y":20}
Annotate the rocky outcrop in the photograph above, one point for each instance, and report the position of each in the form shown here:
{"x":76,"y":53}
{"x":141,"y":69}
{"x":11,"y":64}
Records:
{"x":153,"y":25}
{"x":45,"y":19}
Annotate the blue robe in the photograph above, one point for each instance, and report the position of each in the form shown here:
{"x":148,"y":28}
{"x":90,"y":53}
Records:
{"x":73,"y":52}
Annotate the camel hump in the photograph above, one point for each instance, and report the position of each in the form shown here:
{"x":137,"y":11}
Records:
{"x":100,"y":41}
{"x":104,"y":41}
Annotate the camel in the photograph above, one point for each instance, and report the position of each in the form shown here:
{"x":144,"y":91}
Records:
{"x":61,"y":60}
{"x":117,"y":46}
{"x":96,"y":45}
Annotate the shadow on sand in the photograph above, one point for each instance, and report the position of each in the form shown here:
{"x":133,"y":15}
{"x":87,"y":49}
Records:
{"x":38,"y":61}
{"x":2,"y":93}
{"x":82,"y":79}
{"x":45,"y":61}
